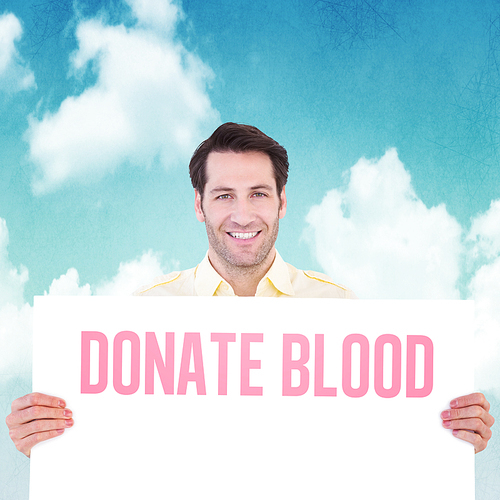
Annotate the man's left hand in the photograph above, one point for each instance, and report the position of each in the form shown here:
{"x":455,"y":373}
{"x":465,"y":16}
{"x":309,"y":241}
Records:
{"x":469,"y":419}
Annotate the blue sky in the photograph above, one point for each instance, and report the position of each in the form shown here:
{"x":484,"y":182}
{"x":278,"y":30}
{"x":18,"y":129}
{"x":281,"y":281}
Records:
{"x":388,"y":111}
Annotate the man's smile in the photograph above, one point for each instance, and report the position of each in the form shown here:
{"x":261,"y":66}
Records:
{"x":243,"y":236}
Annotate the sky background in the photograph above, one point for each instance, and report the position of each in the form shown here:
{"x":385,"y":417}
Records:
{"x":388,"y":110}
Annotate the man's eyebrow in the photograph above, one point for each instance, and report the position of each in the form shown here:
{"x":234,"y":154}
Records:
{"x":219,"y":189}
{"x":262,"y":186}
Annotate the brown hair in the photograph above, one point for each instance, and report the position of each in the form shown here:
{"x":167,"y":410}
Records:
{"x":238,"y":138}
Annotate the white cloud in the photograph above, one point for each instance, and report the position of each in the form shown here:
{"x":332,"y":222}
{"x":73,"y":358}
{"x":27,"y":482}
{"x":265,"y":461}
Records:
{"x":377,"y":237}
{"x":12,"y":280}
{"x":130,"y":276}
{"x":485,"y":290}
{"x":149,"y":102}
{"x":69,"y":284}
{"x":15,"y":315}
{"x":158,"y":13}
{"x":15,"y":74}
{"x":485,"y":232}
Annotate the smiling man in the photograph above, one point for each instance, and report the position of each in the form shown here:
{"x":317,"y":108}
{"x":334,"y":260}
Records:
{"x":239,"y":176}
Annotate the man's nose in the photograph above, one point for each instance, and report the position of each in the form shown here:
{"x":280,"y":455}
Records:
{"x":243,"y":213}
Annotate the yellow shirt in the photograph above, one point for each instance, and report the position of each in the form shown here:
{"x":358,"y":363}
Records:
{"x":282,"y":280}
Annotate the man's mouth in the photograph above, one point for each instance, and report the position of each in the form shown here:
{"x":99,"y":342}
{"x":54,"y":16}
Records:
{"x":244,"y":236}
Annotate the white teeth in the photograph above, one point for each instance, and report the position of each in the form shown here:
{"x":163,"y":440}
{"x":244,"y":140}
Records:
{"x":244,"y":236}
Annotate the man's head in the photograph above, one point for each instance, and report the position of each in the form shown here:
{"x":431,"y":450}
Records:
{"x":240,"y":196}
{"x":237,"y":138}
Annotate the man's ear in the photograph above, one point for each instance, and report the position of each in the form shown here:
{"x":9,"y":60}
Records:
{"x":282,"y":210}
{"x":197,"y":206}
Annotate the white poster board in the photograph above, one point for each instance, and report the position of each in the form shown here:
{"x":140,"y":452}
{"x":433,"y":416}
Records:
{"x":244,"y":398}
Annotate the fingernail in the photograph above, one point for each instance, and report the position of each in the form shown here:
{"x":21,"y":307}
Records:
{"x":69,"y":422}
{"x":447,"y":423}
{"x":68,"y":413}
{"x":455,"y":432}
{"x":446,"y":414}
{"x":60,"y":431}
{"x":454,"y":403}
{"x":61,"y":403}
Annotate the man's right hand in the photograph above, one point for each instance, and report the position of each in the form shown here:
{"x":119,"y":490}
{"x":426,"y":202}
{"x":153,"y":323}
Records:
{"x":37,"y":417}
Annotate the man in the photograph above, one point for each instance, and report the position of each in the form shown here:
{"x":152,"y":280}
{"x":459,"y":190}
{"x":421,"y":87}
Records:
{"x":239,"y":176}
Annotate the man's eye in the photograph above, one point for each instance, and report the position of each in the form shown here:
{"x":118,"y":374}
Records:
{"x":259,"y":195}
{"x":223,"y":197}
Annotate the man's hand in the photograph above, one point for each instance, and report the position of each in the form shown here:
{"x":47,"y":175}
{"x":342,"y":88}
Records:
{"x":37,"y":417}
{"x":469,"y":420}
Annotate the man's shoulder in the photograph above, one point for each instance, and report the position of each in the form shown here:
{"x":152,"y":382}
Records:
{"x":316,"y":284}
{"x":174,"y":283}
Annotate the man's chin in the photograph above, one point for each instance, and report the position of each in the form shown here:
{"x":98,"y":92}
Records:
{"x":244,"y":263}
{"x":245,"y":260}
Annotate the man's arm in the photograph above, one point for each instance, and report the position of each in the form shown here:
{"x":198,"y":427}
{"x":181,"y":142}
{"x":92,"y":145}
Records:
{"x":470,"y":420}
{"x":35,"y":418}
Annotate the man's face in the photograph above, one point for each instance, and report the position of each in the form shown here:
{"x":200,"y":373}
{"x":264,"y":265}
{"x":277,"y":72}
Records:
{"x":241,"y":209}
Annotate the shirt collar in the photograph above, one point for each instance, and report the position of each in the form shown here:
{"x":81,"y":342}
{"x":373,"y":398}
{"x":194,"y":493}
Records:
{"x":208,"y":280}
{"x":279,"y":276}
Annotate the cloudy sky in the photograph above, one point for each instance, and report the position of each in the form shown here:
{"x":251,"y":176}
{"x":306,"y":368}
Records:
{"x":388,"y":110}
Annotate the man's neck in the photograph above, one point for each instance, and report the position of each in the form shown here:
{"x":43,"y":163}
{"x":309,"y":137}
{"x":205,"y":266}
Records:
{"x":244,"y":280}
